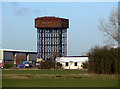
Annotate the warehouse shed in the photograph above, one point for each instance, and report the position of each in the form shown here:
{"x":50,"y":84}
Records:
{"x":14,"y":56}
{"x":72,"y":62}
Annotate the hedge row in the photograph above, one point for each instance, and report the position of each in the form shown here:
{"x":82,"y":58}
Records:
{"x":103,"y":60}
{"x":49,"y":65}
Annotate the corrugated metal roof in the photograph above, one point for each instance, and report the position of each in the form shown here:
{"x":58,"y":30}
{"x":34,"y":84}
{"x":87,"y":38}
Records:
{"x":75,"y":56}
{"x":17,"y":50}
{"x":74,"y":59}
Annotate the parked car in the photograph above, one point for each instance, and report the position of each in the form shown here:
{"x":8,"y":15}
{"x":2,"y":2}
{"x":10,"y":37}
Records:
{"x":25,"y":65}
{"x":30,"y":64}
{"x":21,"y":65}
{"x":1,"y":65}
{"x":37,"y":64}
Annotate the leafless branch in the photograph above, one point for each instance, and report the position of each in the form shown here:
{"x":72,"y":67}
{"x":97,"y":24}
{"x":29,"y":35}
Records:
{"x":110,"y":28}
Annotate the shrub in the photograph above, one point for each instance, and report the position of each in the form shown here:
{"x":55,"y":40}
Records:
{"x":103,"y":60}
{"x":6,"y":65}
{"x":58,"y":65}
{"x":85,"y":65}
{"x":49,"y":65}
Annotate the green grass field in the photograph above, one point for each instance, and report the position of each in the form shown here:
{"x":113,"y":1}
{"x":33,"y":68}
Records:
{"x":56,"y":78}
{"x":43,"y":71}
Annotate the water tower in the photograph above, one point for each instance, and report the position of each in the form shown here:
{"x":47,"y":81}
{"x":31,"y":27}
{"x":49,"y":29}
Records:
{"x":51,"y":37}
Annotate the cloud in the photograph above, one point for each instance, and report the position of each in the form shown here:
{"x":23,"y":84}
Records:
{"x":20,"y":11}
{"x":37,"y":10}
{"x":14,"y":3}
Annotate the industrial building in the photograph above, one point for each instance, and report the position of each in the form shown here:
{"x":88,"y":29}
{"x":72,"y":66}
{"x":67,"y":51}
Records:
{"x":51,"y":37}
{"x":15,"y":56}
{"x":72,"y":62}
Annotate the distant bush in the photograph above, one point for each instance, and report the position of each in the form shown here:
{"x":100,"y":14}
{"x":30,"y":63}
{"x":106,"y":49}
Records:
{"x":49,"y":65}
{"x":103,"y":60}
{"x":6,"y":65}
{"x":58,"y":65}
{"x":85,"y":65}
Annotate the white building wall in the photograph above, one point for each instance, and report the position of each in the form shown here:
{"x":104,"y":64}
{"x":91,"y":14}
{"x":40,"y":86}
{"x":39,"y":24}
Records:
{"x":71,"y":62}
{"x":71,"y":65}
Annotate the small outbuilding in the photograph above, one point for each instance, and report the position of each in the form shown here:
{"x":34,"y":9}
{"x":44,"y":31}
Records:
{"x":72,"y":62}
{"x":15,"y":56}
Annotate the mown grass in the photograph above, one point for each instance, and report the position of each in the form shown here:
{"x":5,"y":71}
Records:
{"x":43,"y":71}
{"x":59,"y":76}
{"x":58,"y":83}
{"x":56,"y":78}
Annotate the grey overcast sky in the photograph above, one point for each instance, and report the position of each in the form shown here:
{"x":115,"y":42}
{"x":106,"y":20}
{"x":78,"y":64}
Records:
{"x":18,"y":31}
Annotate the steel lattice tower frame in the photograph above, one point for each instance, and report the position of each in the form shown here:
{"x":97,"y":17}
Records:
{"x":51,"y":37}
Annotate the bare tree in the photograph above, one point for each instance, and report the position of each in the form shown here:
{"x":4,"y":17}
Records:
{"x":110,"y":28}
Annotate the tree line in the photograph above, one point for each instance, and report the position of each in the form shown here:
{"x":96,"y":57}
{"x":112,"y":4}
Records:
{"x":103,"y":60}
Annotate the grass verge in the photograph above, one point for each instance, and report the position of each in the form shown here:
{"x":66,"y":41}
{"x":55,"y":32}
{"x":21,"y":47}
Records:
{"x":56,"y":78}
